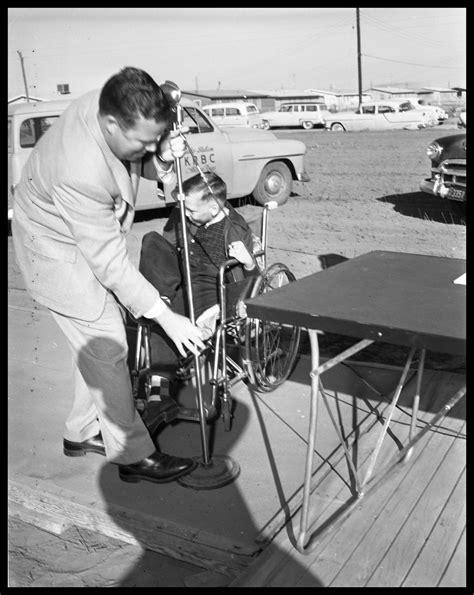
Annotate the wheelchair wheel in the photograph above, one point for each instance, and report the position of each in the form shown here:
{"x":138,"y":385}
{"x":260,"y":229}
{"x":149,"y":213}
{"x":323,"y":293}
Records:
{"x":270,"y":348}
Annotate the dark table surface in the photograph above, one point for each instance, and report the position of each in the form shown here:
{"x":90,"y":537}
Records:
{"x":398,"y":298}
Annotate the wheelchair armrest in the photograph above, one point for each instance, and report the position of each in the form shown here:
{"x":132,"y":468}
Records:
{"x":142,"y":320}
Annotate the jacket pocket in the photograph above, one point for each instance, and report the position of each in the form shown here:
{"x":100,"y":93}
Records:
{"x":52,"y":249}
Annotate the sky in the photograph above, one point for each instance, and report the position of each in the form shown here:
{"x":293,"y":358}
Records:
{"x":236,"y":48}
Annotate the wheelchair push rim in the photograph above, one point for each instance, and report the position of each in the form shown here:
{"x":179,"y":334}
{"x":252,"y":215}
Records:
{"x":270,"y":348}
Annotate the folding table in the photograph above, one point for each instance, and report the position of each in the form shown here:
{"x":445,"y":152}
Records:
{"x":403,"y":299}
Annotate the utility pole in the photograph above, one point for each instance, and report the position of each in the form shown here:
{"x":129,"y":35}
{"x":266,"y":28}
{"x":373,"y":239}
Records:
{"x":24,"y":76}
{"x":359,"y":55}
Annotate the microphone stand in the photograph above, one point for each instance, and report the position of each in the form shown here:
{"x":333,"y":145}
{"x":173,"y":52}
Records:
{"x":221,"y":470}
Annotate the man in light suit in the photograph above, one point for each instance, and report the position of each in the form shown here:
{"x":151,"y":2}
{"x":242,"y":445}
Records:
{"x":73,"y":208}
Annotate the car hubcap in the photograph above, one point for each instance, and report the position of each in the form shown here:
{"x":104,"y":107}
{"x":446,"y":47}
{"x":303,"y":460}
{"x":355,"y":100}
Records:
{"x":273,"y":183}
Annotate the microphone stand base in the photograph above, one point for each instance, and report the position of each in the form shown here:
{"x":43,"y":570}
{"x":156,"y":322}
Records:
{"x":220,"y":471}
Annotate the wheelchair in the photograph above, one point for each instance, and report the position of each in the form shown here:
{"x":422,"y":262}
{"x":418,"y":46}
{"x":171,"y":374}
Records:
{"x":261,"y":354}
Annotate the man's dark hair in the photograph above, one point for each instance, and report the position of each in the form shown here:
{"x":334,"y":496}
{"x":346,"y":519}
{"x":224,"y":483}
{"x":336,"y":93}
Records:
{"x":133,"y":93}
{"x":212,"y":186}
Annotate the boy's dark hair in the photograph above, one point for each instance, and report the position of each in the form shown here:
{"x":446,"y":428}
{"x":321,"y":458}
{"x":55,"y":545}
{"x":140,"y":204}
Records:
{"x":133,"y":93}
{"x":212,"y":186}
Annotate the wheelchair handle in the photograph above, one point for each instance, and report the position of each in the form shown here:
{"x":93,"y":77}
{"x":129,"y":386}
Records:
{"x":271,"y":204}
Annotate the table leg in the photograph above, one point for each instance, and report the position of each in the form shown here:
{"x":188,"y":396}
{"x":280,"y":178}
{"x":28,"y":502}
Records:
{"x":416,"y":398}
{"x":395,"y":398}
{"x":316,"y":371}
{"x":313,"y":414}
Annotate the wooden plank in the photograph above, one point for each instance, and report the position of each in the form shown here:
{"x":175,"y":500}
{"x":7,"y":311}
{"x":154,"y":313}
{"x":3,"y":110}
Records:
{"x":368,"y":553}
{"x":455,"y":573}
{"x":50,"y":511}
{"x":418,"y":534}
{"x":282,"y":565}
{"x":356,"y":415}
{"x":348,"y":558}
{"x":442,"y":542}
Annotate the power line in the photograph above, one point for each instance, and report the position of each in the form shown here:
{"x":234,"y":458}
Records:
{"x":412,"y":63}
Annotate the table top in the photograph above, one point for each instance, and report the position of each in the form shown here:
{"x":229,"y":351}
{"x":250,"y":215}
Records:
{"x":398,"y":298}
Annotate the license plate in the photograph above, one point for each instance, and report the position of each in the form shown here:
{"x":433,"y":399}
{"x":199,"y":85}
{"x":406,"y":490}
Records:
{"x":456,"y":194}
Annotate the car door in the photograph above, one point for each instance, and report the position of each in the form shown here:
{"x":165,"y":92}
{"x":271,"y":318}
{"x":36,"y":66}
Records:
{"x":400,"y":119}
{"x":312,"y":113}
{"x":218,"y":115}
{"x":212,"y":152}
{"x":233,"y":117}
{"x":295,"y":115}
{"x":364,"y":118}
{"x":23,"y":134}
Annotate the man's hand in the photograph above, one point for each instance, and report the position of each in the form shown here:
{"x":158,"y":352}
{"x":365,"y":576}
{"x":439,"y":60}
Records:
{"x":182,"y":332}
{"x":172,"y":146}
{"x":238,"y":251}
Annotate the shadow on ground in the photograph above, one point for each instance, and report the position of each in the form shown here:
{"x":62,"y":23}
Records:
{"x":426,"y":206}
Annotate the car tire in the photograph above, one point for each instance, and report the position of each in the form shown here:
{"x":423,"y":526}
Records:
{"x":307,"y":125}
{"x":337,"y":127}
{"x":265,"y":125}
{"x":274,"y":183}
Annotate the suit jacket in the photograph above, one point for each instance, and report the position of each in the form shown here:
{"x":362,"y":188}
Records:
{"x":73,"y":207}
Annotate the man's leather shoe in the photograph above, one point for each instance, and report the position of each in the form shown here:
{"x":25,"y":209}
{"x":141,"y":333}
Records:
{"x":79,"y":449}
{"x":158,"y":468}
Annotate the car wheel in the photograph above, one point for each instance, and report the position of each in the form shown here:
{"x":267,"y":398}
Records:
{"x":337,"y":127}
{"x":265,"y":125}
{"x":274,"y":184}
{"x":307,"y":125}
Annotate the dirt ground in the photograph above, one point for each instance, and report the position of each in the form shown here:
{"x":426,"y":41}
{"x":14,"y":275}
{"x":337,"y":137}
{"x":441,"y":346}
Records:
{"x":363,"y":196}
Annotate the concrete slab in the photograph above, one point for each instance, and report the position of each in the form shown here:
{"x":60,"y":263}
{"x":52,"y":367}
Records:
{"x":220,"y":529}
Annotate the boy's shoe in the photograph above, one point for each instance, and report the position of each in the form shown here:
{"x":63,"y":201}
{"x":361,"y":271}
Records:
{"x":160,"y":406}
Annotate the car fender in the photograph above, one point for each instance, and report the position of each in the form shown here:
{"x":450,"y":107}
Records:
{"x":249,"y":161}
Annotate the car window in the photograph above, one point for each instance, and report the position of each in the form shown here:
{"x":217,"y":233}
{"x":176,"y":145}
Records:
{"x":218,"y":111}
{"x":285,"y":108}
{"x":367,"y":109}
{"x":232,"y":111}
{"x":386,"y":109}
{"x":311,"y":108}
{"x":251,"y":109}
{"x":405,"y":107}
{"x":196,"y":121}
{"x":32,"y":130}
{"x":10,"y":135}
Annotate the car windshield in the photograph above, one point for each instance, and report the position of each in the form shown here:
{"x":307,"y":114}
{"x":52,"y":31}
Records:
{"x":285,"y":108}
{"x":196,"y":121}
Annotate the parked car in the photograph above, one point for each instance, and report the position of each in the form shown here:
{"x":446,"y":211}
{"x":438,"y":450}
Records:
{"x":235,"y":113}
{"x":461,"y":123}
{"x":376,"y":115}
{"x":434,"y":114}
{"x":252,"y":162}
{"x":305,"y":114}
{"x":448,"y":168}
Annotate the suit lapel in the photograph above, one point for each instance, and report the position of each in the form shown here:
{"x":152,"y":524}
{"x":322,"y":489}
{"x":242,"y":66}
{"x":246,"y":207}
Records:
{"x":123,"y":179}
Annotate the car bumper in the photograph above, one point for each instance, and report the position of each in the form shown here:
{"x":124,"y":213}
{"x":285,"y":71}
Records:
{"x":437,"y":188}
{"x":303,"y":177}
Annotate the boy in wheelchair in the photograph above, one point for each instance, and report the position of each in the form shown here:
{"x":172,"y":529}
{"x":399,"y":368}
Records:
{"x":215,"y":233}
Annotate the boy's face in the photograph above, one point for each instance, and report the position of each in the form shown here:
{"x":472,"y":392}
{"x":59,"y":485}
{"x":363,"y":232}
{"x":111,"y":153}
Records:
{"x":200,"y":211}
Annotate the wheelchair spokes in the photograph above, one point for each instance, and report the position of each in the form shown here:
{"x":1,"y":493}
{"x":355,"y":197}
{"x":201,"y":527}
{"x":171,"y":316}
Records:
{"x":270,"y":347}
